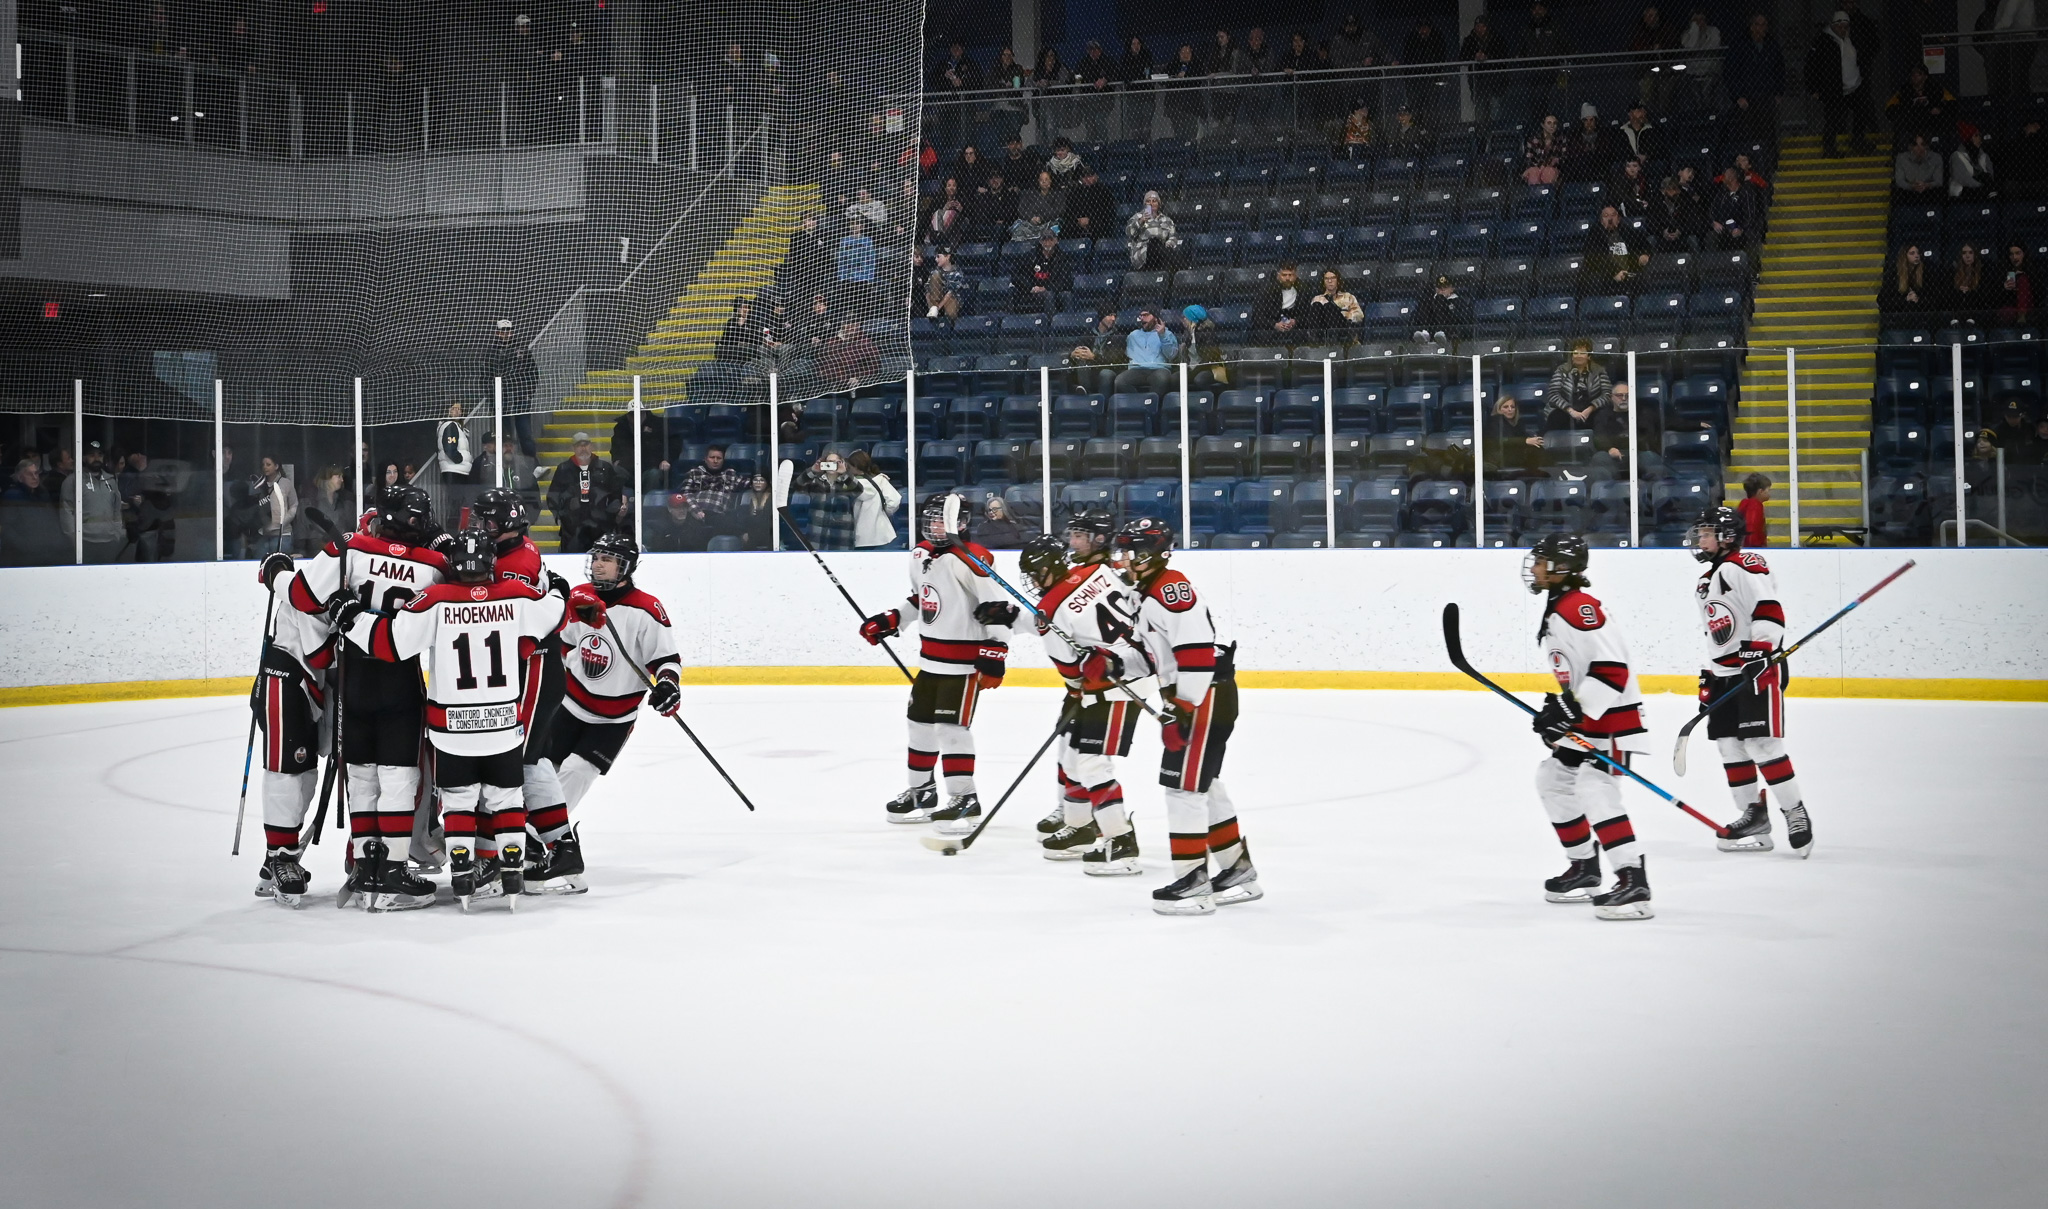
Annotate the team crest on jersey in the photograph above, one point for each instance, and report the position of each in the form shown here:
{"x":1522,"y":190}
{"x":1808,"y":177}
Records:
{"x":479,"y":593}
{"x":1720,"y":622}
{"x":397,"y":550}
{"x":299,"y":755}
{"x":595,"y":654}
{"x":1561,"y":668}
{"x":928,"y":603}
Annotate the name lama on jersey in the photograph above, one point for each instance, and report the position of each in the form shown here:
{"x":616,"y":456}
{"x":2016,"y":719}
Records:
{"x":461,"y":614}
{"x":393,"y":569}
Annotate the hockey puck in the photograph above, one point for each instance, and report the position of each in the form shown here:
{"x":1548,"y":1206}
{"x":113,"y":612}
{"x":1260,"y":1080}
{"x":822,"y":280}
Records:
{"x":949,"y":852}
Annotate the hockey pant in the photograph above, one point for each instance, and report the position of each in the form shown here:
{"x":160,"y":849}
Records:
{"x":579,"y":752}
{"x":1101,"y":732}
{"x":540,"y":785}
{"x":1201,"y":825}
{"x":481,"y":806}
{"x":383,"y":729}
{"x":941,"y":710}
{"x":288,"y":701}
{"x":1753,"y":763}
{"x":1582,"y":796}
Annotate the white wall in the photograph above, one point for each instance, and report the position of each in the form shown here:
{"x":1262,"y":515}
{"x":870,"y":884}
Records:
{"x":1959,"y":614}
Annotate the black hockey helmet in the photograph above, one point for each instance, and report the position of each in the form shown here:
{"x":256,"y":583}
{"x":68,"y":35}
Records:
{"x":405,"y":514}
{"x":473,"y":557}
{"x":931,"y":519}
{"x":619,"y":548}
{"x":501,"y":511}
{"x":1098,"y":525}
{"x":1725,"y":524}
{"x":1145,"y":543}
{"x":1044,"y":559}
{"x":1564,"y":554}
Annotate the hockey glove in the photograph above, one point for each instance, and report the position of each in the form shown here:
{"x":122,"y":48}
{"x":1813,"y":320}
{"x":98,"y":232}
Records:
{"x":1099,"y":666}
{"x":273,"y":566}
{"x":1559,"y":717}
{"x":990,"y":664}
{"x":665,"y":697}
{"x":586,"y":606}
{"x":996,"y":612}
{"x":558,"y":585}
{"x":442,"y":542}
{"x":342,"y":610}
{"x":1180,"y":720}
{"x":880,"y":626}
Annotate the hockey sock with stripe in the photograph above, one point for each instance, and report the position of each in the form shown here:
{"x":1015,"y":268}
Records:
{"x":1226,"y":844}
{"x":1775,"y":768}
{"x":1744,"y":786}
{"x":1187,"y":828}
{"x":506,"y":815}
{"x":923,"y":762}
{"x":1618,"y":840}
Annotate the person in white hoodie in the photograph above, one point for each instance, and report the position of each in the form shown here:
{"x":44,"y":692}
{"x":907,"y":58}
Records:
{"x":876,"y":503}
{"x":277,"y":505}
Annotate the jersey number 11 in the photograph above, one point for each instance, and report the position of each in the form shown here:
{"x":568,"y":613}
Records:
{"x":466,"y":677}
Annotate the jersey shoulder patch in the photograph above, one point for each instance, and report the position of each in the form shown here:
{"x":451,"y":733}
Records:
{"x":1173,"y":591}
{"x":1064,"y":588}
{"x":434,"y":594}
{"x":1752,"y":563}
{"x":647,"y":603}
{"x":962,"y":549}
{"x":1580,"y":610}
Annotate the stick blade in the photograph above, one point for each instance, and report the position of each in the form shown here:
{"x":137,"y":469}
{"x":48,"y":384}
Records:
{"x":952,"y":512}
{"x":1452,"y":644}
{"x":1678,"y":752}
{"x":943,"y":845}
{"x":783,"y":473}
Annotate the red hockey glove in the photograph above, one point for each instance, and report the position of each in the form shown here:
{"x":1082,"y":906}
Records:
{"x":586,"y":606}
{"x":665,"y":697}
{"x":1099,"y":666}
{"x":1180,"y":720}
{"x":880,"y":626}
{"x":273,"y":566}
{"x":990,"y":664}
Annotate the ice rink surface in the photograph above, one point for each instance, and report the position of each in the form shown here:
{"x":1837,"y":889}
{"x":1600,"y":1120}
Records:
{"x":804,"y":1007}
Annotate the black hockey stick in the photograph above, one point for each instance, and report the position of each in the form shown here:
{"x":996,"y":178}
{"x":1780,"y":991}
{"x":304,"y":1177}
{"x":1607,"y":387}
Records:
{"x":1456,"y":649}
{"x":249,"y":749}
{"x":621,"y":644}
{"x":950,"y":846}
{"x":1759,"y":667}
{"x":334,"y":697}
{"x":782,"y":510}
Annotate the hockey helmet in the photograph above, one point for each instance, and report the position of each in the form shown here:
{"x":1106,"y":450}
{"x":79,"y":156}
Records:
{"x":931,"y":519}
{"x":1724,"y":524}
{"x":500,"y":511}
{"x":405,"y":514}
{"x":1562,"y":554}
{"x":1144,"y":544}
{"x":1044,"y":559}
{"x":617,"y":549}
{"x":473,"y":557}
{"x":1089,"y":531}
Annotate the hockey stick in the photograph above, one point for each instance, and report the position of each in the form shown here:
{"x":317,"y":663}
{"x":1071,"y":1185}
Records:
{"x":949,"y":846}
{"x":621,"y":643}
{"x":249,"y":749}
{"x":1750,"y":674}
{"x":334,"y":758}
{"x":1456,"y":649}
{"x":782,"y":474}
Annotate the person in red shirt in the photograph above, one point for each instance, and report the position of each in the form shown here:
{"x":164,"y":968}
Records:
{"x":1756,"y":490}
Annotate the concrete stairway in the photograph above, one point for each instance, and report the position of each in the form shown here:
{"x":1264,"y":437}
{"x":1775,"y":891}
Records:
{"x":1817,"y":291}
{"x":682,"y":340}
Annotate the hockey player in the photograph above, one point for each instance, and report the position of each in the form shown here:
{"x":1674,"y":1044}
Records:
{"x":382,"y":714}
{"x":605,"y":685}
{"x":473,"y":636}
{"x":1599,"y":699}
{"x":1089,"y":618}
{"x":289,"y":696}
{"x":963,"y":648}
{"x":1745,"y":624}
{"x":1181,"y":632}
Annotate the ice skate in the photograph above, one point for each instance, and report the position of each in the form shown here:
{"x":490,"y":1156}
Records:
{"x":1799,"y":831}
{"x":1239,"y":883}
{"x":1191,"y":894}
{"x":914,"y":805}
{"x":512,"y":874}
{"x":1630,"y":898}
{"x":384,"y":884}
{"x":1579,"y":882}
{"x":959,"y":816}
{"x":282,"y":879}
{"x":559,"y":868}
{"x":1750,"y":833}
{"x":1117,"y":858}
{"x":1069,"y":843}
{"x":472,"y":878}
{"x":1053,"y":822}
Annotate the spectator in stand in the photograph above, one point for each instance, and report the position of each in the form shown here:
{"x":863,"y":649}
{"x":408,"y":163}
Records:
{"x":1920,"y":106}
{"x":756,"y":513}
{"x":1303,"y":56}
{"x":1443,"y":315}
{"x":1333,"y":316}
{"x":1184,"y":96}
{"x":2014,"y":430}
{"x":150,"y":518}
{"x":830,"y":485}
{"x":2015,"y":294}
{"x":1050,"y":72}
{"x":1916,"y":172}
{"x":849,"y":358}
{"x":1200,"y":347}
{"x":1972,"y":298}
{"x":1423,"y":46}
{"x":1754,"y":75}
{"x":1040,"y":283}
{"x":1094,"y":74}
{"x":1641,"y":141}
{"x":1629,"y":189}
{"x":993,"y":210}
{"x":587,"y":495}
{"x":1732,"y":214}
{"x":808,"y":262}
{"x":1064,"y":166}
{"x":58,"y":476}
{"x":866,"y":208}
{"x":945,"y":288}
{"x":1905,"y":293}
{"x":1039,"y":211}
{"x":854,"y":260}
{"x":1019,"y":163}
{"x":1746,"y":169}
{"x":512,"y":362}
{"x":1543,"y":154}
{"x":1136,"y":64}
{"x":1149,"y":349}
{"x":654,"y":464}
{"x":1154,"y":241}
{"x":1355,"y":46}
{"x":1095,"y":364}
{"x":1225,"y":58}
{"x":876,"y":503}
{"x":996,"y":529}
{"x":958,"y":73}
{"x":1091,"y":209}
{"x":1969,"y":166}
{"x":238,"y":506}
{"x":25,"y":486}
{"x":1578,"y":388}
{"x":740,"y":340}
{"x":1408,"y":136}
{"x":1838,"y":77}
{"x":1611,"y":440}
{"x":103,"y":532}
{"x":1651,"y":35}
{"x":1616,"y":254}
{"x":1281,"y":306}
{"x":277,"y":507}
{"x":672,"y":529}
{"x":1756,"y":492}
{"x":31,"y":533}
{"x":1703,"y":68}
{"x":1481,"y":47}
{"x":968,"y":167}
{"x":1007,"y":113}
{"x":455,"y":448}
{"x":1357,"y":143}
{"x":1677,"y":221}
{"x":1591,"y":150}
{"x":519,"y":476}
{"x":1511,"y":451}
{"x":707,"y":492}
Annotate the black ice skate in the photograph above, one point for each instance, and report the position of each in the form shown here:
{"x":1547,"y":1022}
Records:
{"x":1750,"y":833}
{"x":1069,"y":843}
{"x":1240,"y":882}
{"x":1054,"y":821}
{"x":383,"y":884}
{"x":512,"y":872}
{"x":914,"y":805}
{"x":1799,"y":831}
{"x":1117,"y":858}
{"x":559,"y":869}
{"x":1191,"y":894}
{"x":472,"y":878}
{"x":282,"y":879}
{"x":1579,"y":882}
{"x":1630,"y":898}
{"x":959,"y":816}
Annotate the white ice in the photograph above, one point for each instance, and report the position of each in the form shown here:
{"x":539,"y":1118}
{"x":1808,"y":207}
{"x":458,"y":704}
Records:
{"x":804,"y":1007}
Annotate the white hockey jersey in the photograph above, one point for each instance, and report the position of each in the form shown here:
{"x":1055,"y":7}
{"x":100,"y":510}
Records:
{"x":1100,"y":609}
{"x":605,"y":684}
{"x":474,"y":642}
{"x":1588,"y":656}
{"x":1739,"y":609}
{"x":1183,"y":635}
{"x":302,"y":636}
{"x":384,"y":575}
{"x":945,"y":589}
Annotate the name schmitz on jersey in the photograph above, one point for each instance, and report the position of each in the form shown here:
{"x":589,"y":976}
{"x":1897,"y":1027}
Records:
{"x":1101,"y":611}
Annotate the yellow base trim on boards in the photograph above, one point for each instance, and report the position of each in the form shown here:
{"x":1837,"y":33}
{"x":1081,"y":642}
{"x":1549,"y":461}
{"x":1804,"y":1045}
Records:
{"x":1527,"y":682}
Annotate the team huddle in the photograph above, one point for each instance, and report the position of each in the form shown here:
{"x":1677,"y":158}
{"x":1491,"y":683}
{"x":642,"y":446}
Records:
{"x":473,"y":699}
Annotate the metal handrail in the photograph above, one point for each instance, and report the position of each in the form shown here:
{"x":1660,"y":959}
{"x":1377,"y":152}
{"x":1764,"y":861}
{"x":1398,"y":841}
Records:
{"x":1948,"y":529}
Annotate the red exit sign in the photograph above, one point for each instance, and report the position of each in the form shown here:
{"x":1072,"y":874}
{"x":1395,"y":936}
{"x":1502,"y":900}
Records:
{"x":50,"y":310}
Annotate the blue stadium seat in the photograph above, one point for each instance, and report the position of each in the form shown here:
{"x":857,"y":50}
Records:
{"x":1264,"y":506}
{"x":1109,"y":457}
{"x":1296,"y":411}
{"x":1223,"y":457}
{"x":1133,"y":415}
{"x":1209,"y":505}
{"x":1077,"y":415}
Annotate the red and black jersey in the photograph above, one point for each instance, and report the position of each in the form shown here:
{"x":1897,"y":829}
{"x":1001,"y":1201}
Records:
{"x":384,"y":575}
{"x":945,"y":592}
{"x":1586,"y":654}
{"x":522,"y":562}
{"x":1099,"y":609}
{"x":605,"y":684}
{"x":1739,"y":610}
{"x":1182,"y":633}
